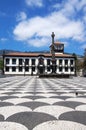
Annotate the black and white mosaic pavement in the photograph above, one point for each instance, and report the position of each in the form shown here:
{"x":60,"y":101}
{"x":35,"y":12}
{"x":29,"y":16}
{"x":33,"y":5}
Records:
{"x":31,"y":103}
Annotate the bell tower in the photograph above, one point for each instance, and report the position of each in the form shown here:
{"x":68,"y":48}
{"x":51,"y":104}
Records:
{"x":56,"y":47}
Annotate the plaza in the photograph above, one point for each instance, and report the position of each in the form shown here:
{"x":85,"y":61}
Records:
{"x":32,"y":103}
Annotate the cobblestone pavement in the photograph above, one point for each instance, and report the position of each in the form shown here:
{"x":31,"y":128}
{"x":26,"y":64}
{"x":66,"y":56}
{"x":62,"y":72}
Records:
{"x":31,"y":103}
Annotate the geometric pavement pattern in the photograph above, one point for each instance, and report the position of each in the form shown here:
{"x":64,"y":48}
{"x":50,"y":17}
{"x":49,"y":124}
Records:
{"x":32,"y":103}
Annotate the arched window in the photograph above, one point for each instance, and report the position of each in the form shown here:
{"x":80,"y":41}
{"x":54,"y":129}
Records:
{"x":41,"y":61}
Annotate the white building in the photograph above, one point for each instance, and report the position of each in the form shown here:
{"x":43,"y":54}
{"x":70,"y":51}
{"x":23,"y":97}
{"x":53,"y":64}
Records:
{"x":39,"y":63}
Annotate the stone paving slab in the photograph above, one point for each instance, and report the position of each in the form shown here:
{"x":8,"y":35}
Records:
{"x":31,"y":103}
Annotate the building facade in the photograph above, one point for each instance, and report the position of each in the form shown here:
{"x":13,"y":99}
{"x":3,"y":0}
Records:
{"x":39,"y":63}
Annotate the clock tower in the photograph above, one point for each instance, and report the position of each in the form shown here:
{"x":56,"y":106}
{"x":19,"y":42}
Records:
{"x":58,"y":47}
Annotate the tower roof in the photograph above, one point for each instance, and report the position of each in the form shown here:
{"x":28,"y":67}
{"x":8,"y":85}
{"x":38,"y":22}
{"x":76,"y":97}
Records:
{"x":57,"y":42}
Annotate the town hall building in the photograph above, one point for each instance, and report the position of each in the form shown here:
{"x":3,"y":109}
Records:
{"x":31,"y":63}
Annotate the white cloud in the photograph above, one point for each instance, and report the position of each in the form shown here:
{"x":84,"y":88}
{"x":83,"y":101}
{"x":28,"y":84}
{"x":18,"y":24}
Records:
{"x":3,"y":39}
{"x":57,"y":6}
{"x":68,"y":10}
{"x":81,"y":4}
{"x":84,"y":18}
{"x":77,"y":4}
{"x":39,"y":42}
{"x":84,"y":9}
{"x":72,"y":8}
{"x":37,"y":30}
{"x":83,"y":46}
{"x":66,"y":44}
{"x":21,"y":16}
{"x":38,"y":3}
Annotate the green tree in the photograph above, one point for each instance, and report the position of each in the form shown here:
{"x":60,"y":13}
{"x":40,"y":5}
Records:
{"x":75,"y":56}
{"x":78,"y":64}
{"x":1,"y":64}
{"x":84,"y":60}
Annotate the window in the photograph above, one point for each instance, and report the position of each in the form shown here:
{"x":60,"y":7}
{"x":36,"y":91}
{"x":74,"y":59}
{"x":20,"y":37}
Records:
{"x":72,"y":69}
{"x":66,"y":69}
{"x":33,"y":69}
{"x":26,"y":61}
{"x":48,"y":61}
{"x":20,"y":69}
{"x":48,"y":68}
{"x":20,"y":61}
{"x":13,"y":69}
{"x":41,"y":61}
{"x":13,"y":61}
{"x":60,"y":62}
{"x":66,"y":62}
{"x":33,"y":61}
{"x":7,"y":61}
{"x":71,"y":62}
{"x":60,"y":69}
{"x":26,"y":69}
{"x":7,"y":69}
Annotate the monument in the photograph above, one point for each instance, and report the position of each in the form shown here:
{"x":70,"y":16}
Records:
{"x":53,"y":66}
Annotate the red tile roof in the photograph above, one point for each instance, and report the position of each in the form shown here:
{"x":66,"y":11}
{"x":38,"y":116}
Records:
{"x":19,"y":54}
{"x":58,"y":42}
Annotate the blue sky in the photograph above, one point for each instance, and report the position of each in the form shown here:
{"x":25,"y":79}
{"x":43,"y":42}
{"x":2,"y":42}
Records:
{"x":26,"y":25}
